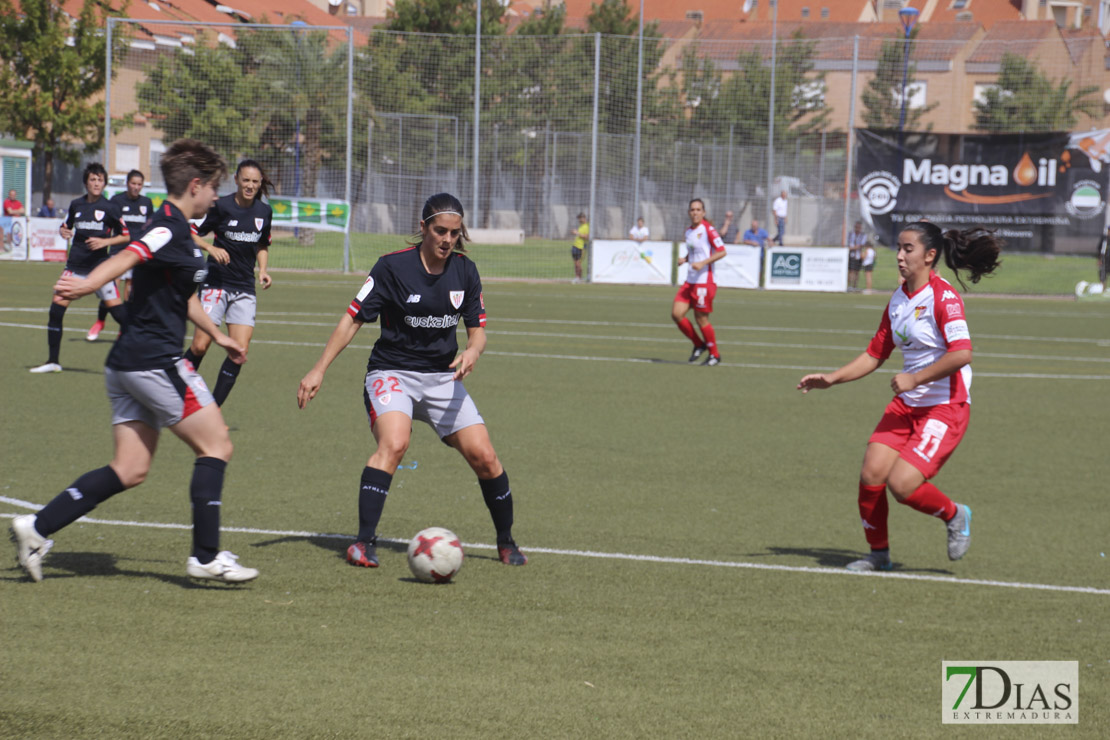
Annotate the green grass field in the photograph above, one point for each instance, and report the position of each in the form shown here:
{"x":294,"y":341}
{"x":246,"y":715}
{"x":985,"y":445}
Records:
{"x":686,"y":529}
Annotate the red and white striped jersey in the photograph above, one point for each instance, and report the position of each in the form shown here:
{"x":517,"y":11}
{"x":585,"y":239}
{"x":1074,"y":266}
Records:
{"x":926,"y":326}
{"x":701,"y":242}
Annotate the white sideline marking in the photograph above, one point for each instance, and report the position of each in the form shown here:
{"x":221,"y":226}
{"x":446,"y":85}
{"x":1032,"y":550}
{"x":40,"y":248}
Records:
{"x":608,"y":555}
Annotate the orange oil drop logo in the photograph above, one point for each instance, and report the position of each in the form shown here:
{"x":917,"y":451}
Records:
{"x":1025,"y":174}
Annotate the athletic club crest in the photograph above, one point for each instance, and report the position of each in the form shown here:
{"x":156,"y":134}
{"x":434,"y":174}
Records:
{"x":384,"y":400}
{"x":142,"y":210}
{"x":457,"y":298}
{"x":258,"y":224}
{"x":98,"y":215}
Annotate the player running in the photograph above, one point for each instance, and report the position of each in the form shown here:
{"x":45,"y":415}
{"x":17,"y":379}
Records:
{"x":703,"y":247}
{"x":415,"y":369}
{"x":94,"y":224}
{"x":149,"y":385}
{"x":241,"y":221}
{"x":922,"y":426}
{"x":135,"y":210}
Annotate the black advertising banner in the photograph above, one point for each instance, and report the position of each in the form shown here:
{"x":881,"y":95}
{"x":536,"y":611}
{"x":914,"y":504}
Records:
{"x":1040,"y":192}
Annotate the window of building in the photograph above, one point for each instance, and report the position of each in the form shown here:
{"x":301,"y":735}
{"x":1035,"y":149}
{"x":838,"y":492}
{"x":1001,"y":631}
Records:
{"x":127,"y":157}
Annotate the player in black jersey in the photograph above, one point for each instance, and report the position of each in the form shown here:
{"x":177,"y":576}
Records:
{"x":415,"y":370}
{"x":242,"y":225}
{"x":149,"y":385}
{"x":94,"y":224}
{"x":135,"y":210}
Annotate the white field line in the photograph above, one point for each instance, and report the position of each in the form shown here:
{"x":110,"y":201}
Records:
{"x":607,"y":555}
{"x":645,"y":361}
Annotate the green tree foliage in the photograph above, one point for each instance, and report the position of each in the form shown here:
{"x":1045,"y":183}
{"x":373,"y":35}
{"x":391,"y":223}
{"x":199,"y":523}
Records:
{"x":882,"y":97}
{"x":1024,"y":100}
{"x":49,"y":84}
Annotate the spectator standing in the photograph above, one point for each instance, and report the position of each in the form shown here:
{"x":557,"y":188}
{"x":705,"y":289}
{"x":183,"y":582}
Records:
{"x":581,"y":236}
{"x":639,"y":233}
{"x":12,"y":205}
{"x":756,"y":236}
{"x":778,"y":207}
{"x":729,"y":229}
{"x":858,"y":239}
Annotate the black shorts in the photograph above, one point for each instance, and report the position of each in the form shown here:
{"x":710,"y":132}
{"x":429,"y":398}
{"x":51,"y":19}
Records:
{"x":854,"y":264}
{"x":869,"y":268}
{"x":575,"y":253}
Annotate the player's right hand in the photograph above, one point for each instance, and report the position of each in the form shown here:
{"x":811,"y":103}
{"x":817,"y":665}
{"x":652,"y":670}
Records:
{"x":816,"y":381}
{"x":219,"y":254}
{"x":310,"y":385}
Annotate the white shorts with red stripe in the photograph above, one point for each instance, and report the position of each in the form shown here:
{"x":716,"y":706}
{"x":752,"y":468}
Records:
{"x":232,"y":306}
{"x":434,"y":398}
{"x":157,"y":398}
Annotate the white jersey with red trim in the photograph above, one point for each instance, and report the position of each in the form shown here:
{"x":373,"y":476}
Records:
{"x":701,"y":242}
{"x":926,"y":326}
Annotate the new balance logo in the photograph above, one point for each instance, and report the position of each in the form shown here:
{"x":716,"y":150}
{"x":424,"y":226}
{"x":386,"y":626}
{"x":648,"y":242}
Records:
{"x":75,"y":494}
{"x":503,"y":496}
{"x":413,"y":298}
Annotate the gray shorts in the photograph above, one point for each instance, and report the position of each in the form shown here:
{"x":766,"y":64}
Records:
{"x":232,"y":306}
{"x":106,"y":292}
{"x":435,"y":398}
{"x":157,"y":398}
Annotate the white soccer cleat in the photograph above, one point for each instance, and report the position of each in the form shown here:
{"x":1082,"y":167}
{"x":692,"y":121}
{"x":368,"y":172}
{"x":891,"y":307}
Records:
{"x":872,"y":562}
{"x":31,"y":547}
{"x":49,"y":367}
{"x":959,"y":532}
{"x":223,"y":568}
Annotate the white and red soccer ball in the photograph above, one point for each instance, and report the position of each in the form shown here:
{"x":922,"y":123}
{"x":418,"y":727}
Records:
{"x":435,"y":555}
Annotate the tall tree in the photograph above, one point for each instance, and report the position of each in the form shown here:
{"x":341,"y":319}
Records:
{"x":882,"y":98}
{"x":51,"y":70}
{"x":1024,"y":100}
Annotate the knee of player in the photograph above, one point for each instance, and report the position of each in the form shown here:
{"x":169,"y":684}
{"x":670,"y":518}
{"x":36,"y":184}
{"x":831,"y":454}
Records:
{"x":484,"y":462}
{"x":130,"y":475}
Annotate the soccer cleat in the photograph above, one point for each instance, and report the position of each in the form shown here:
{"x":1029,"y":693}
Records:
{"x":94,"y":332}
{"x":510,"y":554}
{"x":364,"y":554}
{"x":959,"y":532}
{"x":31,"y":547}
{"x":49,"y":367}
{"x":874,"y":561}
{"x":712,"y":361}
{"x":697,"y":353}
{"x":223,"y":568}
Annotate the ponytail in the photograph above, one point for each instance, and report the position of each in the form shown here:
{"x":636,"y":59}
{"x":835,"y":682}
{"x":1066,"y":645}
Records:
{"x":973,"y":250}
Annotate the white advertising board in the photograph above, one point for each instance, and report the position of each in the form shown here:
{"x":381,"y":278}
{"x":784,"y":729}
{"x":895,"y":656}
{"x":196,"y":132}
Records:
{"x":806,"y":268}
{"x":13,"y":238}
{"x":626,"y":261}
{"x":44,"y":243}
{"x":739,"y":268}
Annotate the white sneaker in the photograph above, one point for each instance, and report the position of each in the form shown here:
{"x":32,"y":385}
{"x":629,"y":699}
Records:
{"x":874,"y":561}
{"x":959,"y":532}
{"x":222,"y":568}
{"x":49,"y":367}
{"x":31,"y":547}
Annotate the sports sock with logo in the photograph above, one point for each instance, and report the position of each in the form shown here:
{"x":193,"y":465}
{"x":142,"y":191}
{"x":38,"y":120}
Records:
{"x":195,"y":360}
{"x":499,"y":501}
{"x":873,"y":511}
{"x":372,"y":492}
{"x":691,"y":333}
{"x":710,"y":339}
{"x":229,"y":371}
{"x":84,"y":495}
{"x":54,"y":331}
{"x":205,"y":490}
{"x":928,"y":499}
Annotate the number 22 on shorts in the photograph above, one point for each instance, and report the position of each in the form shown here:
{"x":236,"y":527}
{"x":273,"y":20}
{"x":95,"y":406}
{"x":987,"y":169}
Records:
{"x":380,"y":386}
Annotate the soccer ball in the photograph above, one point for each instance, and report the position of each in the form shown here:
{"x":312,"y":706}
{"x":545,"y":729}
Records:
{"x":435,"y":555}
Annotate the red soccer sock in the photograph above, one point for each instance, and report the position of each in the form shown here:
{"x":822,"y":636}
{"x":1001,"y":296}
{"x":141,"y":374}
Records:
{"x":928,"y":499}
{"x":873,"y":511}
{"x":710,"y":339}
{"x":691,"y":333}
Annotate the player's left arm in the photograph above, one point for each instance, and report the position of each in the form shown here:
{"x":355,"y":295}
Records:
{"x":475,"y":346}
{"x":71,"y":287}
{"x":263,"y":257}
{"x":235,"y":351}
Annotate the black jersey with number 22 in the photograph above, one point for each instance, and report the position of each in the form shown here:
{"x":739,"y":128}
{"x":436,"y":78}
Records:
{"x":419,"y":311}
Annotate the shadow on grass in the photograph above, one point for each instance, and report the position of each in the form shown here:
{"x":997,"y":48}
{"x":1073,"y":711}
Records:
{"x":92,"y":564}
{"x":829,"y":557}
{"x":335,"y":544}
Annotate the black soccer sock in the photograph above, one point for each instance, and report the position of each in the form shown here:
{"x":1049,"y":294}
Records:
{"x":229,"y":371}
{"x":86,"y":493}
{"x":499,"y":501}
{"x":102,"y":311}
{"x":119,"y":313}
{"x":372,"y":491}
{"x":54,"y":331}
{"x":204,"y":494}
{"x":194,"y":359}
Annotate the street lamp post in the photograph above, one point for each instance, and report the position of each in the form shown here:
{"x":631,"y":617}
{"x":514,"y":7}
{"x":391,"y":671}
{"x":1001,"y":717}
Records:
{"x":908,"y":16}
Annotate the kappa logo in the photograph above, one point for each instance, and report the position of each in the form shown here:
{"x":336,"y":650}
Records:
{"x":947,"y":295}
{"x":457,"y":298}
{"x":258,"y":223}
{"x":413,"y":298}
